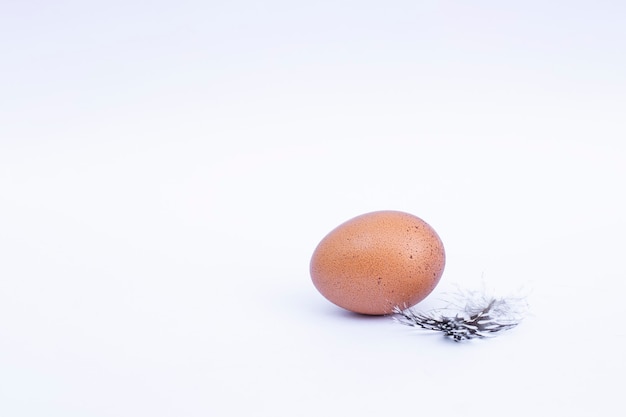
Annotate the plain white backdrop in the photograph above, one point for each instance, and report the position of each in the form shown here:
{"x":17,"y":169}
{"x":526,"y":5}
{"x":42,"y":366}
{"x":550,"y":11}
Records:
{"x":167,"y":168}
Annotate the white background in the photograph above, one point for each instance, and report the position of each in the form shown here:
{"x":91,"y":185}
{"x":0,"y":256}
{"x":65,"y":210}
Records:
{"x":167,"y":168}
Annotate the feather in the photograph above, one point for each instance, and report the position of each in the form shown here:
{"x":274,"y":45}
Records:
{"x":479,"y":317}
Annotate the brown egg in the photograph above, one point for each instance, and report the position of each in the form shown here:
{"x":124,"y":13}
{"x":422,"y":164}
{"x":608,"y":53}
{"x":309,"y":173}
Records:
{"x":377,"y":261}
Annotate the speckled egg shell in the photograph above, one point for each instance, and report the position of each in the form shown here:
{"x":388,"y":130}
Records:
{"x":377,"y":261}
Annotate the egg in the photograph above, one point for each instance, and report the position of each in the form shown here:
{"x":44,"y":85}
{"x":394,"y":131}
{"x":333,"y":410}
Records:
{"x":377,"y":261}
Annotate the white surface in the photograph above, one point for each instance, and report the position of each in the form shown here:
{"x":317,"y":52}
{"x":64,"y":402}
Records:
{"x":166,"y":170}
